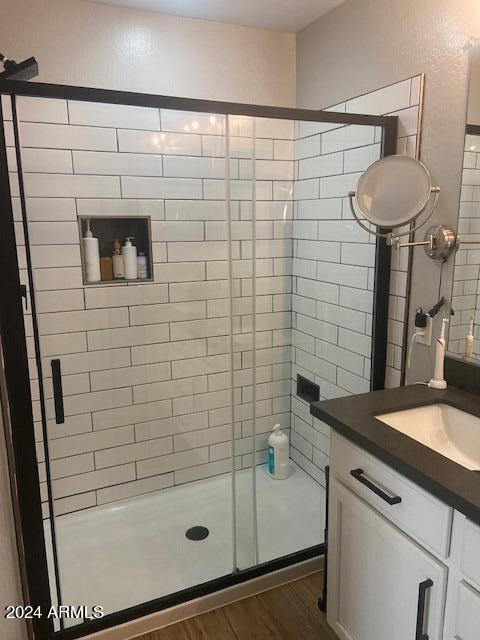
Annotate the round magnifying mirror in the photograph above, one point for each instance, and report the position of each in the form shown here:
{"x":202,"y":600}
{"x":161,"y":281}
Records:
{"x":393,"y":191}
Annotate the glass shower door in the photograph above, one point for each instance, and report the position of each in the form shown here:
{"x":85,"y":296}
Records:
{"x":240,"y":199}
{"x":135,"y":373}
{"x":311,"y":303}
{"x":152,"y":451}
{"x":277,"y":517}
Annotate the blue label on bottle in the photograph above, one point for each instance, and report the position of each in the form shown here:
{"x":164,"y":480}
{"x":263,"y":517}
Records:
{"x":271,"y":460}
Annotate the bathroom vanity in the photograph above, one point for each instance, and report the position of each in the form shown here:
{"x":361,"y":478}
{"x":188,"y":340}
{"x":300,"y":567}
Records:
{"x":404,"y":521}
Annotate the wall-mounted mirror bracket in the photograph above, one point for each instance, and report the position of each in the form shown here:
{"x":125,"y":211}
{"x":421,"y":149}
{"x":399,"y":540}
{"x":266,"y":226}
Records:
{"x":440,"y":241}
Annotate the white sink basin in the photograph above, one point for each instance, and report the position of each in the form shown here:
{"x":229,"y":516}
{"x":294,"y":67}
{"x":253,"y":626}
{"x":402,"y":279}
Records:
{"x":448,"y":431}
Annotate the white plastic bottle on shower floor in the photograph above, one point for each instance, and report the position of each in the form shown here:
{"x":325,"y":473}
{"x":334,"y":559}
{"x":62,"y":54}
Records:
{"x":278,"y":454}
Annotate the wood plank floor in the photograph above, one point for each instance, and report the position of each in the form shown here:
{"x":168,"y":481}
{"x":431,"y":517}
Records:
{"x":289,"y":612}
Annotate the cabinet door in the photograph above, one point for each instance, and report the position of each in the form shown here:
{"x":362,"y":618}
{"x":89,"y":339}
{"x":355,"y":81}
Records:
{"x":467,"y":618}
{"x":377,"y":575}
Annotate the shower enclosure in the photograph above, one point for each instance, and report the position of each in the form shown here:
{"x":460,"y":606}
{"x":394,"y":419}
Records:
{"x":149,"y":401}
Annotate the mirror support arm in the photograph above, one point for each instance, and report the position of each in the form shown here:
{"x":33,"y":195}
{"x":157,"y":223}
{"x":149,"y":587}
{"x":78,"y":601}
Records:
{"x":422,"y":243}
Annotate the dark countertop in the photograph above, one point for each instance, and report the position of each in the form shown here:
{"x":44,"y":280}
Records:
{"x":354,"y":418}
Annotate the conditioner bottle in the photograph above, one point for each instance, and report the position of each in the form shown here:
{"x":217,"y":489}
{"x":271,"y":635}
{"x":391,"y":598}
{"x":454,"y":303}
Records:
{"x":91,"y":256}
{"x":129,"y":253}
{"x":117,"y":260}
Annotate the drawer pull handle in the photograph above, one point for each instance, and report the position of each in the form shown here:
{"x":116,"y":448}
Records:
{"x":57,"y":391}
{"x":423,"y":587}
{"x":358,"y":475}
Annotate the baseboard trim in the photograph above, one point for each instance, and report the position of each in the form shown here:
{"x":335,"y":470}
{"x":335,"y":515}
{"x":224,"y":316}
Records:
{"x":135,"y":628}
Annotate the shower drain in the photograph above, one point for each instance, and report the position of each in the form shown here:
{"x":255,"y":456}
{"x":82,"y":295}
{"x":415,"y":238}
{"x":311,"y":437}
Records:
{"x":197,"y":533}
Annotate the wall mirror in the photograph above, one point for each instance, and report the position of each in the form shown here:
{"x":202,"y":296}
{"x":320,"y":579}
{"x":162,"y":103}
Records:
{"x":466,"y":282}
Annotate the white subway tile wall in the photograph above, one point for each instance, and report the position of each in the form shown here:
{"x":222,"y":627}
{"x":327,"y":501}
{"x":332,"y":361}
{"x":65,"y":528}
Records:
{"x":467,"y":258}
{"x":145,"y":366}
{"x":333,"y":264}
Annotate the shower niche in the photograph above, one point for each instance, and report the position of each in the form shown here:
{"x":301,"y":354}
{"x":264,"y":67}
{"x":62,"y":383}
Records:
{"x":110,"y":232}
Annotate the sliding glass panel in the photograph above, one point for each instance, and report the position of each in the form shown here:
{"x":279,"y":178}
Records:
{"x":290,"y":501}
{"x":332,"y":301}
{"x":134,"y":349}
{"x":313,"y":281}
{"x":240,"y":195}
{"x":283,"y":497}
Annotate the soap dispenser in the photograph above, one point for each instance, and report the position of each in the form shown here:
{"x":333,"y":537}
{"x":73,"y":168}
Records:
{"x":129,"y":253}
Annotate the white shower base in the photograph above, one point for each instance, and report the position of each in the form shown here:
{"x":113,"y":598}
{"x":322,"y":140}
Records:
{"x":135,"y":550}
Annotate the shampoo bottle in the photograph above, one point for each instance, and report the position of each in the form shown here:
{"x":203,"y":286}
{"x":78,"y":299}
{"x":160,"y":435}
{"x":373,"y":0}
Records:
{"x":106,"y":268}
{"x":142,"y":268}
{"x":278,"y":454}
{"x":129,"y":253}
{"x":117,"y":260}
{"x":91,"y":256}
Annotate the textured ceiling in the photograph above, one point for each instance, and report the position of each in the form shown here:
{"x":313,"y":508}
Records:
{"x":279,"y":15}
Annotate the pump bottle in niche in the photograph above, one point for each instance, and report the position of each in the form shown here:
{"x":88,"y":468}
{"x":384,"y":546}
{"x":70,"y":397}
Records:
{"x":129,"y":253}
{"x":117,"y":260}
{"x":278,"y":454}
{"x":91,"y":256}
{"x":142,"y":267}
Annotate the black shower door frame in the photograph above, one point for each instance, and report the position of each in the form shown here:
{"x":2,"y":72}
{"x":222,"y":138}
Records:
{"x":21,"y":432}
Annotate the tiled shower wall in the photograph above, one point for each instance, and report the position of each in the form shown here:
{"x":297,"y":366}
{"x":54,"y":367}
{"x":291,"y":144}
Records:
{"x":145,"y":366}
{"x":467,"y":258}
{"x":333,"y":263}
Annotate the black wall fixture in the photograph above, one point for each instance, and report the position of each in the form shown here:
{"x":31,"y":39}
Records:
{"x":16,"y":363}
{"x":307,"y":390}
{"x":26,"y":70}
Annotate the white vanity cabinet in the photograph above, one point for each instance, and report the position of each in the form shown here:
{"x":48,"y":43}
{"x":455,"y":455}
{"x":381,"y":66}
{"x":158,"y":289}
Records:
{"x":381,"y":584}
{"x":402,"y":565}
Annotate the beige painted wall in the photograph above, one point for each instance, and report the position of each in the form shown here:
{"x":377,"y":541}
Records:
{"x":365,"y":44}
{"x":84,"y":43}
{"x":474,"y":89}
